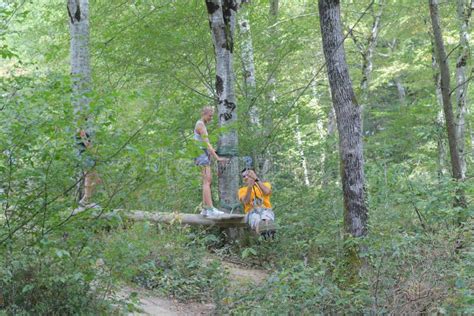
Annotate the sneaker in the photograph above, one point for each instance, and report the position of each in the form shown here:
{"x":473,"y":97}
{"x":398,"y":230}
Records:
{"x":265,"y":226}
{"x":89,"y":205}
{"x":268,"y":235}
{"x":204,"y":212}
{"x":214,"y":213}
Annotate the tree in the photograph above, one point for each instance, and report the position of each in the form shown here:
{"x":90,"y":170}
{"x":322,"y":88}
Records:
{"x":446,"y":95}
{"x":441,"y":141}
{"x":398,"y":80}
{"x":464,"y":14}
{"x":78,"y":11}
{"x":272,"y":71}
{"x":299,"y":144}
{"x":367,"y":52}
{"x":248,"y":63}
{"x":222,"y":19}
{"x":348,"y":116}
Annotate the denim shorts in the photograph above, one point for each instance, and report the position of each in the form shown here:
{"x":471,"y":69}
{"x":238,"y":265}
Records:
{"x":204,"y":159}
{"x":86,"y":161}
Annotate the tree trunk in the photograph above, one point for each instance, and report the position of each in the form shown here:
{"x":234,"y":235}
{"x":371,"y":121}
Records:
{"x":464,"y":14}
{"x":330,"y":147}
{"x":299,"y":142}
{"x":222,"y":19}
{"x":270,"y":95}
{"x":441,"y":143}
{"x":445,"y":91}
{"x":272,"y":71}
{"x":348,"y":118}
{"x":332,"y":124}
{"x":398,"y":80}
{"x":248,"y":63}
{"x":78,"y":11}
{"x":368,"y":55}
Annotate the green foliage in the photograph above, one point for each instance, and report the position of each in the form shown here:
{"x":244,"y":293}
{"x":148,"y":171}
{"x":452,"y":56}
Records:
{"x":170,"y":260}
{"x":46,"y":280}
{"x":298,"y":289}
{"x":153,"y":69}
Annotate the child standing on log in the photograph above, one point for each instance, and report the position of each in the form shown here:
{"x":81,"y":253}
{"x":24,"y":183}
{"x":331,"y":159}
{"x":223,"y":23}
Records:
{"x":204,"y":161}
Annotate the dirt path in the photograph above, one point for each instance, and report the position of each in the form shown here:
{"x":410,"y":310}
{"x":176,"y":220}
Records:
{"x":240,"y":275}
{"x":150,"y":304}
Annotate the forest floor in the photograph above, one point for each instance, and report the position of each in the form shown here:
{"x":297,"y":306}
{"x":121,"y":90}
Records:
{"x":151,"y":304}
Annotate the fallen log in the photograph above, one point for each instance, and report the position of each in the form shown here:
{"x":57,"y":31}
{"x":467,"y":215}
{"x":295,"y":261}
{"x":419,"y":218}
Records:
{"x":224,"y":220}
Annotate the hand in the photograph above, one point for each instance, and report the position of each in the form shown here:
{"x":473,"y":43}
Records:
{"x":250,"y":182}
{"x":222,"y":159}
{"x":252,"y":175}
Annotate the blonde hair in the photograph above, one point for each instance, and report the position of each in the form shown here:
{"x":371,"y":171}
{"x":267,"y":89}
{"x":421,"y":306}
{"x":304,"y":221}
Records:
{"x":207,"y":109}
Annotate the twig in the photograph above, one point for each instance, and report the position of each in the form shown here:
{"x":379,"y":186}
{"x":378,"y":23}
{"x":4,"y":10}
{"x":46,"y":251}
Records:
{"x":452,"y":50}
{"x":462,"y":83}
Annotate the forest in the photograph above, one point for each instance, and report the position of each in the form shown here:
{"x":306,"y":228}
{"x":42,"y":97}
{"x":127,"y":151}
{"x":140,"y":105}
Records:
{"x":356,"y":116}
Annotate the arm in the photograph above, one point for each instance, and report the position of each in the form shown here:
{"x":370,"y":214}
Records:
{"x":265,"y":190}
{"x":246,"y":198}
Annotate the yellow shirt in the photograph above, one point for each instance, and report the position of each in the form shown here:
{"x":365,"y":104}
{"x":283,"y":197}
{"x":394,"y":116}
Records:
{"x":255,"y":191}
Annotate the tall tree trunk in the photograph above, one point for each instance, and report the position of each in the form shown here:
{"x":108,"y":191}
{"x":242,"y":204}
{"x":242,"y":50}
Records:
{"x":222,"y":19}
{"x":447,"y":106}
{"x":398,"y":80}
{"x":401,"y":89}
{"x":272,"y":71}
{"x":332,"y":124}
{"x":330,"y":147}
{"x":441,"y":143}
{"x":248,"y":63}
{"x":348,"y":119}
{"x":271,"y":95}
{"x":299,"y":142}
{"x":78,"y":11}
{"x":368,"y":54}
{"x":464,"y":14}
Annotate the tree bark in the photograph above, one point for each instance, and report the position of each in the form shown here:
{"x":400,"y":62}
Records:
{"x":368,"y":54}
{"x":332,"y":124}
{"x":460,"y":199}
{"x":272,"y":71}
{"x":222,"y":20}
{"x":270,"y":95}
{"x":398,"y":80}
{"x":445,"y":90}
{"x":441,"y":143}
{"x":78,"y":11}
{"x":299,"y":142}
{"x":248,"y":64}
{"x":464,"y":14}
{"x":348,"y":118}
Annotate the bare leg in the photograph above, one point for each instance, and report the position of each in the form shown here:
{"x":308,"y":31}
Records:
{"x":206,"y":186}
{"x":91,"y":179}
